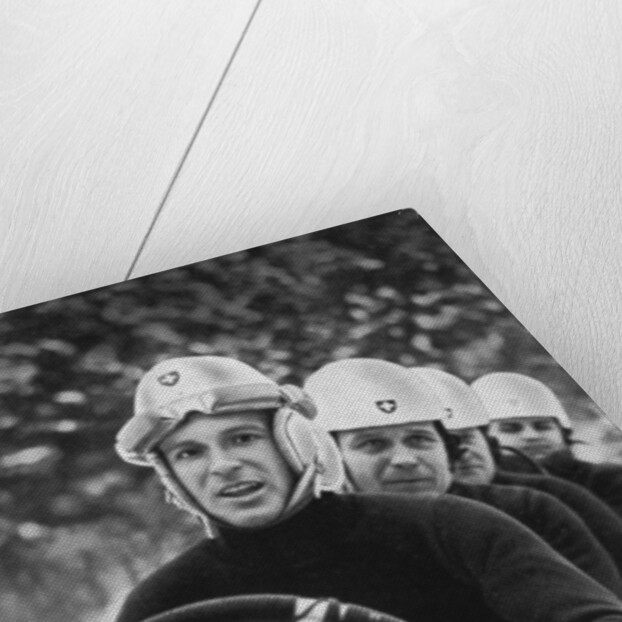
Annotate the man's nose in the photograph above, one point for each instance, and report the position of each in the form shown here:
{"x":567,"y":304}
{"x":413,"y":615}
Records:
{"x":529,"y":433}
{"x":466,"y":449}
{"x":466,"y":454}
{"x":404,"y":457}
{"x":223,"y":462}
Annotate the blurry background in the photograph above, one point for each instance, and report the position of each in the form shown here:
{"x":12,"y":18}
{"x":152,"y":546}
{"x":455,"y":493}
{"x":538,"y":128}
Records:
{"x":78,"y":527}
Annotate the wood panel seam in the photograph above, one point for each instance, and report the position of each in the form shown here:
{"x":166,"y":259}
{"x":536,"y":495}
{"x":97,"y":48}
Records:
{"x":193,"y":138}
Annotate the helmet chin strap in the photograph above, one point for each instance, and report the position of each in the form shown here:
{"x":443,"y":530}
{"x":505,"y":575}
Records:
{"x":177,"y":494}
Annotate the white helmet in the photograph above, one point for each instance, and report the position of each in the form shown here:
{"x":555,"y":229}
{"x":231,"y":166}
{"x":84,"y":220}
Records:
{"x":509,"y":395}
{"x":463,"y":406}
{"x":215,"y":386}
{"x":362,"y":393}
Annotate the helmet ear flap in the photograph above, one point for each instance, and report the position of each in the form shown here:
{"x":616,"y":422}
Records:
{"x":303,"y":444}
{"x":299,"y":400}
{"x":333,"y":469}
{"x":295,"y":437}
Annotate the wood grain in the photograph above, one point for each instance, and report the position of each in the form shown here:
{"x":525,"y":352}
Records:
{"x":498,"y":120}
{"x":98,"y":102}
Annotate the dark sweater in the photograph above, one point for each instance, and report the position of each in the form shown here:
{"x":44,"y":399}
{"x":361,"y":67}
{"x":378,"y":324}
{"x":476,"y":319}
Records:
{"x":602,"y":480}
{"x":421,"y":558}
{"x":601,"y":519}
{"x":554,"y":522}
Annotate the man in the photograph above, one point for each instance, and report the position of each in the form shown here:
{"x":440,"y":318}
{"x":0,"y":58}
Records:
{"x":478,"y":462}
{"x":397,"y":443}
{"x":527,"y":416}
{"x":467,"y":420}
{"x":242,"y":454}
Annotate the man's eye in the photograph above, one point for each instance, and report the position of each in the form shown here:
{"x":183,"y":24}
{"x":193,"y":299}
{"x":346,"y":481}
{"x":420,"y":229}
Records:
{"x":371,"y":445}
{"x":511,"y":429}
{"x":244,"y":439}
{"x":186,"y":453}
{"x":420,"y":440}
{"x":542,"y":426}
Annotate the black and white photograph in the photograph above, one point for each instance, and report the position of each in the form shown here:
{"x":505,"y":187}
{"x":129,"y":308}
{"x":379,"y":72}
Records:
{"x":345,"y":425}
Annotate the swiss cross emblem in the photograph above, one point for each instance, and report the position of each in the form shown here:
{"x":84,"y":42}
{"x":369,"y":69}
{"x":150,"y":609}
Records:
{"x":168,"y":380}
{"x":387,"y":406}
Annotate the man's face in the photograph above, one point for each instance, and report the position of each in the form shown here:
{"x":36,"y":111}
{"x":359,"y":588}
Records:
{"x":406,"y":458}
{"x":535,"y":436}
{"x":232,"y":466}
{"x":476,"y":465}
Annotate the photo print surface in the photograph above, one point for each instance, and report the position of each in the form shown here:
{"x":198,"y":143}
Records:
{"x":80,"y":528}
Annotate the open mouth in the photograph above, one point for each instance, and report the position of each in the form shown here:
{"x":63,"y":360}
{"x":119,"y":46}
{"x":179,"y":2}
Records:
{"x":241,"y":489}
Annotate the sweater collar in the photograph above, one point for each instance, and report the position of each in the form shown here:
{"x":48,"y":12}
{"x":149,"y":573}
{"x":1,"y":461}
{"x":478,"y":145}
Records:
{"x":314,"y":532}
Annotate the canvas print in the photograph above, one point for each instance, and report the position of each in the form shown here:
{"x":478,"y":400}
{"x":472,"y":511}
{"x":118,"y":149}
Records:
{"x":345,"y":425}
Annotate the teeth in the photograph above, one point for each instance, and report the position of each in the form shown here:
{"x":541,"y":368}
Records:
{"x":238,"y":489}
